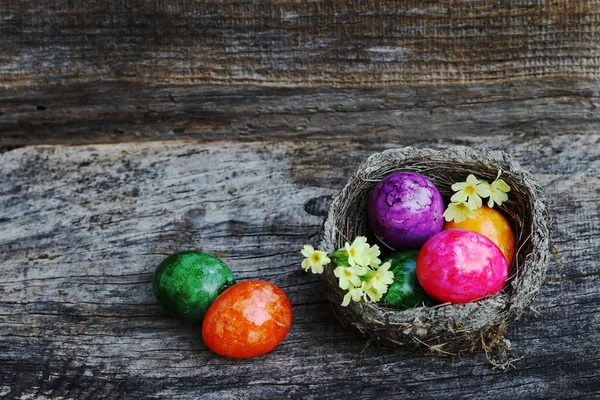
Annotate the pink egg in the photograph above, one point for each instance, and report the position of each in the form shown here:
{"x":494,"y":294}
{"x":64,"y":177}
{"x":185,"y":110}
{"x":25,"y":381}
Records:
{"x":459,"y":266}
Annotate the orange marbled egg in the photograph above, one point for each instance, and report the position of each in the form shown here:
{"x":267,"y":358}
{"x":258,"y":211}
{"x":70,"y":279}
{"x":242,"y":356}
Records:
{"x":247,"y":320}
{"x":491,"y":224}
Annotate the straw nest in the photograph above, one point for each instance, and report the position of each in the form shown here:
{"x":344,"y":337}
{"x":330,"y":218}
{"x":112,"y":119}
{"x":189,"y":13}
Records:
{"x":446,"y":329}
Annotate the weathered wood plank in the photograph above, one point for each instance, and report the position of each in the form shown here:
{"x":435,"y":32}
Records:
{"x":83,"y":228}
{"x":294,"y":43}
{"x":100,"y":112}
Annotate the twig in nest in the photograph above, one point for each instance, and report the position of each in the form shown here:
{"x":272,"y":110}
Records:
{"x":366,"y":345}
{"x":505,"y":363}
{"x":556,"y":253}
{"x":435,"y":348}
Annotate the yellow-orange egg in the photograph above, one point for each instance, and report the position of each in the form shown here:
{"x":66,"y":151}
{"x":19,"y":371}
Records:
{"x":491,"y":224}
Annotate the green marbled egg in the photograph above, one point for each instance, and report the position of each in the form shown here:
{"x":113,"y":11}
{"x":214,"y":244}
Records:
{"x":405,"y":291}
{"x":187,"y":283}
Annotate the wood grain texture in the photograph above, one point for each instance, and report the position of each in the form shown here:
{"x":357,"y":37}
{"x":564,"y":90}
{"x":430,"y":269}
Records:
{"x":84,"y":227}
{"x":104,"y":112}
{"x":358,"y":43}
{"x":112,"y":71}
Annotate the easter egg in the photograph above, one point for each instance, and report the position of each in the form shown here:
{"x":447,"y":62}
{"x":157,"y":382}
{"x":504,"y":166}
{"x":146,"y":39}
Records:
{"x":459,"y":266}
{"x":247,"y":320}
{"x":187,"y":283}
{"x":491,"y":224}
{"x":404,"y":210}
{"x":405,"y":291}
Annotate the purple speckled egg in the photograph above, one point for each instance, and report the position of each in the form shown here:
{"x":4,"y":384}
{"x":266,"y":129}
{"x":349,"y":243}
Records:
{"x":404,"y":210}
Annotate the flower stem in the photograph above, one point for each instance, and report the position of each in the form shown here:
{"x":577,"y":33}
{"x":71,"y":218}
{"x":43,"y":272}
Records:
{"x":340,"y":257}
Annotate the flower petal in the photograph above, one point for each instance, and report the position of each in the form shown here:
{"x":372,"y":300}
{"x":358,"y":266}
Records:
{"x":472,"y":203}
{"x":500,"y":197}
{"x":470,"y":214}
{"x":460,"y":217}
{"x":459,"y":186}
{"x":360,"y":240}
{"x":503,"y":186}
{"x":471,"y":180}
{"x":356,"y":293}
{"x":324,"y":259}
{"x":307,"y":251}
{"x":459,"y":197}
{"x":387,"y":277}
{"x":373,"y":294}
{"x":306,"y":264}
{"x":346,"y":300}
{"x":355,"y":280}
{"x":358,"y":270}
{"x":483,"y":190}
{"x":450,"y":212}
{"x":344,"y":283}
{"x":377,"y":285}
{"x":382,"y":290}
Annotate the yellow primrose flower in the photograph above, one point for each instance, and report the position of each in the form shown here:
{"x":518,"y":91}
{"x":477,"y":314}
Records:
{"x":349,"y":276}
{"x":382,"y":278}
{"x":498,"y":190}
{"x":373,"y":256}
{"x":315,"y":259}
{"x":470,"y":192}
{"x":355,"y":293}
{"x":370,"y":293}
{"x":458,"y":212}
{"x":358,"y":251}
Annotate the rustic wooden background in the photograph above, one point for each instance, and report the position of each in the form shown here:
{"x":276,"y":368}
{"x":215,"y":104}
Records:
{"x":133,"y":129}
